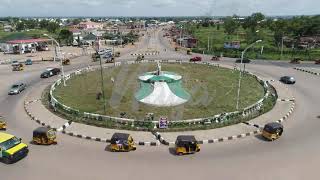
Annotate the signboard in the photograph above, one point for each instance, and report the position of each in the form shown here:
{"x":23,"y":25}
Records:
{"x":232,"y":45}
{"x":163,"y":122}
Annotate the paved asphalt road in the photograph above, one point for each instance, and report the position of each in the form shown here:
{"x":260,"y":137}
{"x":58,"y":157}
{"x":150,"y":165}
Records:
{"x":295,"y":156}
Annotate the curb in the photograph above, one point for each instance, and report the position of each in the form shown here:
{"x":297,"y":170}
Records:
{"x":289,"y":113}
{"x":26,"y":103}
{"x":63,"y":127}
{"x":217,"y":140}
{"x":223,"y":139}
{"x":66,"y":125}
{"x":307,"y":71}
{"x":139,"y":143}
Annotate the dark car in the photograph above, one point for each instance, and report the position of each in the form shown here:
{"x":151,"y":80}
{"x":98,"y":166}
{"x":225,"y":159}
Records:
{"x":245,"y":60}
{"x":55,"y":71}
{"x":194,"y":59}
{"x":50,"y":72}
{"x":28,"y":62}
{"x":17,"y":88}
{"x":288,"y":80}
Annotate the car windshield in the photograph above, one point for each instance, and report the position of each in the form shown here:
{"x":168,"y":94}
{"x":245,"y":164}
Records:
{"x":9,"y":143}
{"x":15,"y":86}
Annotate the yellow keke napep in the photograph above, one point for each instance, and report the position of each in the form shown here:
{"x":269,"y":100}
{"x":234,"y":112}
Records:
{"x":44,"y":136}
{"x":186,"y":144}
{"x":122,"y":142}
{"x":3,"y":125}
{"x":272,"y":131}
{"x":17,"y":67}
{"x":66,"y":62}
{"x":11,"y":148}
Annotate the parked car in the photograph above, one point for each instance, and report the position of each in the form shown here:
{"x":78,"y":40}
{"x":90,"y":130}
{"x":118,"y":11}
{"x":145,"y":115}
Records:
{"x":28,"y":62}
{"x":196,"y":58}
{"x":317,"y":61}
{"x":17,"y":88}
{"x":288,"y":79}
{"x":50,"y":72}
{"x":245,"y":60}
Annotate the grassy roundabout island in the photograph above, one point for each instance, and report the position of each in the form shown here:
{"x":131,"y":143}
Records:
{"x":212,"y":91}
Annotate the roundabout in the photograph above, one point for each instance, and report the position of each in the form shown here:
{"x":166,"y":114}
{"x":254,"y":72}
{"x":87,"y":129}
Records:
{"x":208,"y":100}
{"x":294,"y":156}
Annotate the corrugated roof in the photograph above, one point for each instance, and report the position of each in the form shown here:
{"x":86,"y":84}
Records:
{"x":24,"y":41}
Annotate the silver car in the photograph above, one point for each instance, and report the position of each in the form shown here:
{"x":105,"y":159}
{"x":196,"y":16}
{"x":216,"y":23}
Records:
{"x":17,"y":88}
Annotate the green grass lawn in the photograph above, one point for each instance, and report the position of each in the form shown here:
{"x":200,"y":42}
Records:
{"x":7,"y":36}
{"x":213,"y":91}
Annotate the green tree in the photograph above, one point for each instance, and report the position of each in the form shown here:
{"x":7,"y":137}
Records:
{"x":31,"y":24}
{"x":52,"y":27}
{"x":43,"y":24}
{"x":66,"y":36}
{"x":230,"y":25}
{"x":280,"y":29}
{"x":252,"y":22}
{"x":76,"y":21}
{"x":20,"y":26}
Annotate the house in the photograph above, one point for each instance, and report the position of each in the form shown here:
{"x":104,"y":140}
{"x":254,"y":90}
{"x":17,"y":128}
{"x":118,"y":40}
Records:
{"x":7,"y":28}
{"x":188,"y":42}
{"x":90,"y":25}
{"x":77,"y":36}
{"x":89,"y":39}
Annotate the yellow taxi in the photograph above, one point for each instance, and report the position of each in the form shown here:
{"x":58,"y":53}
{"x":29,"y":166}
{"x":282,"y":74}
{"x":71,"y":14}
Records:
{"x":11,"y":148}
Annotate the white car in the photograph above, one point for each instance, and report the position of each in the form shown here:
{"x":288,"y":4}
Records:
{"x":104,"y":51}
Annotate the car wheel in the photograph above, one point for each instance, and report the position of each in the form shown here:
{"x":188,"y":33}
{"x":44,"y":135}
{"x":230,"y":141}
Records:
{"x":180,"y":154}
{"x":6,"y":160}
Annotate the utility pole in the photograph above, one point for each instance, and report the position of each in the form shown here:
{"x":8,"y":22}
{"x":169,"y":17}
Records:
{"x":281,"y":47}
{"x":181,"y":36}
{"x":208,"y":43}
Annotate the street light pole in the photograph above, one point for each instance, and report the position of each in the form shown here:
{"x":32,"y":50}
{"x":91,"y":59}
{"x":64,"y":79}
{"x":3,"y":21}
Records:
{"x":181,"y":36}
{"x":281,"y":47}
{"x":59,"y":54}
{"x":240,"y":74}
{"x":101,"y":74}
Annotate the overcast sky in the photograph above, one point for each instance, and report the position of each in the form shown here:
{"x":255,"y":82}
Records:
{"x":156,"y":7}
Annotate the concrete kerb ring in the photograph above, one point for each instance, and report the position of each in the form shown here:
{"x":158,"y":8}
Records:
{"x":26,"y":103}
{"x":307,"y":71}
{"x":157,"y":135}
{"x":63,"y":128}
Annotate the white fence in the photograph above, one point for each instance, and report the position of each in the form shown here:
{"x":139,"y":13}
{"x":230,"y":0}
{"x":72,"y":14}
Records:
{"x":214,"y":119}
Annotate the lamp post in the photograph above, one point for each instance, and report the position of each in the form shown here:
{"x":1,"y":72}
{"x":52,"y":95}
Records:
{"x":240,"y":74}
{"x":59,"y":53}
{"x":180,"y":36}
{"x":101,"y":75}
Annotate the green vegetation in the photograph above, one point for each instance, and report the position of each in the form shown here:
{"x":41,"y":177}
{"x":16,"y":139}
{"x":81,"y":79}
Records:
{"x":213,"y":91}
{"x":7,"y":36}
{"x":256,"y":27}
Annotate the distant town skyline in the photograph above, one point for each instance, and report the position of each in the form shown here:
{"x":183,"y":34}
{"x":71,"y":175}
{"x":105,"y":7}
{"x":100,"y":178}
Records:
{"x":90,"y":8}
